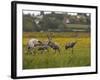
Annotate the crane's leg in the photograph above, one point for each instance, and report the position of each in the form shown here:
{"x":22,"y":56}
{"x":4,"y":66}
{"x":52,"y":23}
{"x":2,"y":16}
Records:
{"x":28,"y":50}
{"x":59,"y":50}
{"x":47,"y":49}
{"x":72,"y":50}
{"x":41,"y":51}
{"x":55,"y":50}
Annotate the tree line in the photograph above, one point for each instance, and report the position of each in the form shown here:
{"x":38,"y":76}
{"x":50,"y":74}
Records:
{"x":53,"y":21}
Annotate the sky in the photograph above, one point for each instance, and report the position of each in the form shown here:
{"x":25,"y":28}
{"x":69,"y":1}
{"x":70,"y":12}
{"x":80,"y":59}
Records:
{"x":47,"y":12}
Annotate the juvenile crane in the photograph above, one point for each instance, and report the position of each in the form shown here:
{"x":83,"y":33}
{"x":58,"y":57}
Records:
{"x":52,"y":44}
{"x":43,"y":46}
{"x":70,"y":45}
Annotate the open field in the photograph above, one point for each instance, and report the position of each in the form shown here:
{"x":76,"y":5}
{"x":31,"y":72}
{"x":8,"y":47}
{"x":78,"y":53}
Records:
{"x":78,"y":26}
{"x":80,"y":57}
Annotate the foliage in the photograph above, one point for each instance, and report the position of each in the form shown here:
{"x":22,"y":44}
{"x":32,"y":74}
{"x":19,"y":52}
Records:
{"x":54,"y":22}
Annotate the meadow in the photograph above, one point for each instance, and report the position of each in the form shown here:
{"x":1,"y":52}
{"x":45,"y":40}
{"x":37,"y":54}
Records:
{"x":80,"y":57}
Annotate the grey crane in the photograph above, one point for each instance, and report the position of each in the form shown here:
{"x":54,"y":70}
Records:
{"x":53,"y":44}
{"x":70,"y":45}
{"x":43,"y":46}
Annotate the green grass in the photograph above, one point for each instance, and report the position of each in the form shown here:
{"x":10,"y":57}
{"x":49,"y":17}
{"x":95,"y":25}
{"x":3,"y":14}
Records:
{"x":78,"y":26}
{"x":55,"y":34}
{"x":80,"y":57}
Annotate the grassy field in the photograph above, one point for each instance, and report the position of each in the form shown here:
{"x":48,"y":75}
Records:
{"x":80,"y":57}
{"x":78,"y":26}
